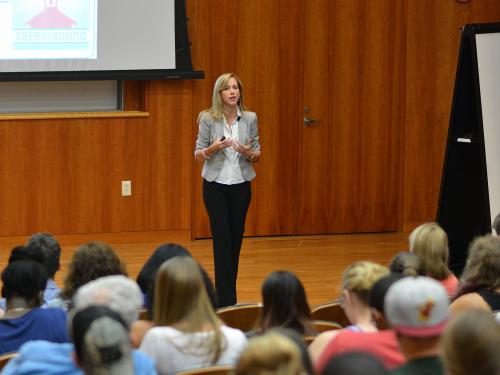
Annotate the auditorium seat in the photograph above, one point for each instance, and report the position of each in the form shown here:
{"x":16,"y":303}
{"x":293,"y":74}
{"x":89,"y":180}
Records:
{"x":331,"y":311}
{"x":325,"y":325}
{"x":244,"y":317}
{"x":4,"y":358}
{"x":212,"y":370}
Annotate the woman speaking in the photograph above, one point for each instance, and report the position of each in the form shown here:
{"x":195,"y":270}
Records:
{"x":228,"y":144}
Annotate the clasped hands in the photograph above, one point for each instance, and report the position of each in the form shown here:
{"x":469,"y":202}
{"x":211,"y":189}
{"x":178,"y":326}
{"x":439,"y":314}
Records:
{"x":244,"y":149}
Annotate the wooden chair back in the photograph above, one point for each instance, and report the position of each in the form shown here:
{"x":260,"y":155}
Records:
{"x":325,"y":325}
{"x":308,"y":339}
{"x":212,"y":370}
{"x":331,"y":311}
{"x":244,"y":317}
{"x":144,"y":314}
{"x":4,"y":358}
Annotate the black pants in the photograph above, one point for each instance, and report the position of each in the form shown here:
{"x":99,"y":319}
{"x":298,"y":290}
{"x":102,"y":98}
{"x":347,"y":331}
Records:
{"x":227,"y":207}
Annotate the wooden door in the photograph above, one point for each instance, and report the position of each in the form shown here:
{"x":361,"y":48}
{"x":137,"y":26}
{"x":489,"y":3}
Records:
{"x":352,"y":82}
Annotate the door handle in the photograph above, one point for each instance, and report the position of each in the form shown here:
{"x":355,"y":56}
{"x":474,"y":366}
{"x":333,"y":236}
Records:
{"x":310,"y":121}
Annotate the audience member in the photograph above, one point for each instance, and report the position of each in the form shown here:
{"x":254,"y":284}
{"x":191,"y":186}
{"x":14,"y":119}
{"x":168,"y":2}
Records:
{"x":147,"y":275}
{"x":270,"y":353}
{"x":299,"y":341}
{"x":408,"y":264}
{"x":496,"y":225}
{"x":89,"y":262}
{"x":354,"y":363}
{"x":24,"y":253}
{"x":52,"y":260}
{"x":117,"y":292}
{"x":100,"y":337}
{"x":21,"y":252}
{"x":357,"y":282}
{"x":23,"y":285}
{"x":187,"y":332}
{"x":417,"y":309}
{"x":285,"y":304}
{"x":382,"y":343}
{"x":430,"y":242}
{"x":480,"y":281}
{"x":470,"y":344}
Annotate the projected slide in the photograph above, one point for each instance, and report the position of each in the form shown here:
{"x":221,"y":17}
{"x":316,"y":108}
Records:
{"x":48,"y":29}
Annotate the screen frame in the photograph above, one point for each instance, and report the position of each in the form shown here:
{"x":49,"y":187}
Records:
{"x":184,"y":68}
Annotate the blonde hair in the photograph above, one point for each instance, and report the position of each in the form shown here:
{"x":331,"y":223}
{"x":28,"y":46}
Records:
{"x":360,"y":276}
{"x":272,"y":353}
{"x":430,"y":242}
{"x":217,"y":103}
{"x":181,"y":300}
{"x":477,"y":332}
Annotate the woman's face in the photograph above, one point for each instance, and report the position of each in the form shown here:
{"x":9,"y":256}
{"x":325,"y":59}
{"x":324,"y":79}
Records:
{"x":231,"y":93}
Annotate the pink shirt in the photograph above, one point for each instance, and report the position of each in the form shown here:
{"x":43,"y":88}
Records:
{"x":450,"y":284}
{"x":382,"y":344}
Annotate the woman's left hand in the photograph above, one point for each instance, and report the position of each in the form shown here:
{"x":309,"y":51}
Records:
{"x":244,"y":149}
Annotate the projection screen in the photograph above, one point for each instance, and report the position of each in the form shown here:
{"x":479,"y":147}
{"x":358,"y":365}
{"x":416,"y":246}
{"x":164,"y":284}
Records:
{"x":488,"y":58}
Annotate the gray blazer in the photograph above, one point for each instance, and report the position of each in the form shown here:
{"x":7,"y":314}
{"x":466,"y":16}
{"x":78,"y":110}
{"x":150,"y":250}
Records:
{"x":210,"y":129}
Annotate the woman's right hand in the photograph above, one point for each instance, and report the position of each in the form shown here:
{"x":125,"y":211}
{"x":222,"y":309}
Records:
{"x":220,"y":144}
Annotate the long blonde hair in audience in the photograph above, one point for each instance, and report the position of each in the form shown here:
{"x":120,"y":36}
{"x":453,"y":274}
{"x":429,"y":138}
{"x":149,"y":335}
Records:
{"x":181,"y":301}
{"x":271,"y":353}
{"x":430,"y":242}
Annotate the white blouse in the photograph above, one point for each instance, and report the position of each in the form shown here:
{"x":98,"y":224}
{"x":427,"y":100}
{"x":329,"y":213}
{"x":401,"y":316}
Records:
{"x":175,"y":351}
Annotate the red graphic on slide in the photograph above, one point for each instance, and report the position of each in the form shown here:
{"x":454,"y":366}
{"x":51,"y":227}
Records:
{"x":51,"y":18}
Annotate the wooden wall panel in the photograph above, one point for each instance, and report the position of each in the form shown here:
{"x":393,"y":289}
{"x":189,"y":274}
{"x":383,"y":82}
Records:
{"x":64,"y":175}
{"x":433,"y":40}
{"x":259,"y":41}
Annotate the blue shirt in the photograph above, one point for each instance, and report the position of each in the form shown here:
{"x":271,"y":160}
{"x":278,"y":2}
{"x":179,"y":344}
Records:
{"x":37,"y":324}
{"x":47,"y":358}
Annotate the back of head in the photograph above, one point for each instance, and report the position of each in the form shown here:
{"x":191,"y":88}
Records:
{"x":101,"y":341}
{"x":181,"y":297}
{"x":408,"y":264}
{"x":25,"y":279}
{"x":470,"y":344}
{"x":50,"y":249}
{"x":380,"y":289}
{"x":360,"y":276}
{"x":271,"y":353}
{"x":285,"y":303}
{"x":117,"y":292}
{"x":33,"y":253}
{"x":180,"y":294}
{"x":147,"y":275}
{"x":354,"y":363}
{"x":299,"y":341}
{"x":482,"y":268}
{"x":91,"y":261}
{"x":430,"y":242}
{"x":417,"y":307}
{"x":496,"y":224}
